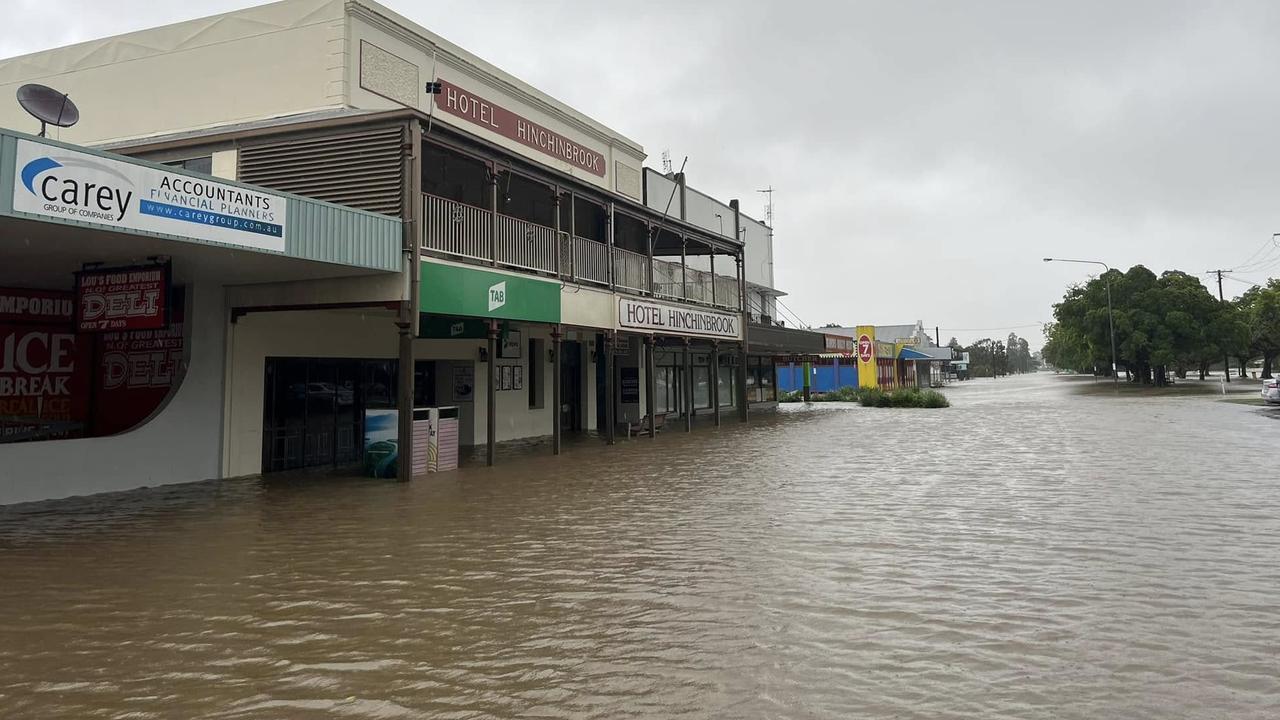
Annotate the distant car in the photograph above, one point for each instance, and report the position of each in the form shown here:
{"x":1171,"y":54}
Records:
{"x":1271,"y":391}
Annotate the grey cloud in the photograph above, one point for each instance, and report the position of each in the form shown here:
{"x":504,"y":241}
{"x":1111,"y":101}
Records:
{"x":926,"y":154}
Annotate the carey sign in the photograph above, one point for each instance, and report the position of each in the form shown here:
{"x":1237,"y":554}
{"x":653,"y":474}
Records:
{"x":131,"y":298}
{"x":649,"y":316}
{"x":60,"y":183}
{"x":495,"y":118}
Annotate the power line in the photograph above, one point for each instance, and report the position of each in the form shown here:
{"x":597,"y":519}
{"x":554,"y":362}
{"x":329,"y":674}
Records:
{"x":1242,"y":281}
{"x":1269,"y":242}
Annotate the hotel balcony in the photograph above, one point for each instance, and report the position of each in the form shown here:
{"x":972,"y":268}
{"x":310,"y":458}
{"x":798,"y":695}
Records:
{"x":677,"y":265}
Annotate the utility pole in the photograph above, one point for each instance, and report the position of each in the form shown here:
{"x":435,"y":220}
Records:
{"x":1226,"y":359}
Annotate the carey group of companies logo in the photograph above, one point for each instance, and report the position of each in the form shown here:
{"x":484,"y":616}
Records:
{"x":88,"y":188}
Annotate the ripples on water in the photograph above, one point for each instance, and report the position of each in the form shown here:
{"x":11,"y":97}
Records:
{"x":1028,"y":553}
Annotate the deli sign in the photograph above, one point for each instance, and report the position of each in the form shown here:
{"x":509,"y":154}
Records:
{"x":119,"y":299}
{"x":649,"y":316}
{"x":57,"y":182}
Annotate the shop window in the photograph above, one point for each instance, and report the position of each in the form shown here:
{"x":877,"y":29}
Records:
{"x":701,"y":387}
{"x":728,"y":378}
{"x":58,"y":383}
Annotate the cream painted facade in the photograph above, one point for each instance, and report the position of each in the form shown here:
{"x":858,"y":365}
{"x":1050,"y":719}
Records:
{"x":291,"y":58}
{"x":362,"y":334}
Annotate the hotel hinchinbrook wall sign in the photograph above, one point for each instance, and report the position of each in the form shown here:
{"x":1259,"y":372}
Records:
{"x":667,"y":319}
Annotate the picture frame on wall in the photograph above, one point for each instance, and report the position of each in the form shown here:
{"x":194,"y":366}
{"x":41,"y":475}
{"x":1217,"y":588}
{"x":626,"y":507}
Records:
{"x":506,"y":377}
{"x":517,"y":377}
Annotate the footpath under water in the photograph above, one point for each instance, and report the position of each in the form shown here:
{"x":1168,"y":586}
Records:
{"x":1031,"y":552}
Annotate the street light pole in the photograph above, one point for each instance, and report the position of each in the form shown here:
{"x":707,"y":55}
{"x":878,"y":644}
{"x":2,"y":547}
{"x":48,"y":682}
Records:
{"x":1111,"y":323}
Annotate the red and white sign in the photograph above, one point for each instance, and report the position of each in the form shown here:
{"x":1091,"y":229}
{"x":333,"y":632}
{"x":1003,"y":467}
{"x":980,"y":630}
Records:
{"x":134,"y":373}
{"x":35,"y":306}
{"x":122,"y":299}
{"x":43,"y":382}
{"x":866,"y":348}
{"x":465,"y":104}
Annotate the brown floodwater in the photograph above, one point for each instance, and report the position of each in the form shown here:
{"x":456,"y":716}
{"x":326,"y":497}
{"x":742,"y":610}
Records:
{"x":1031,"y":552}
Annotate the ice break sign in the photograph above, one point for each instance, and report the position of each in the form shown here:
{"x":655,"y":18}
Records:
{"x":56,"y":182}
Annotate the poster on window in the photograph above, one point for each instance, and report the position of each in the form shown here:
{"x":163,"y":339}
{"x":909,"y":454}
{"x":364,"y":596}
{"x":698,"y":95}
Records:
{"x":511,"y":345}
{"x":134,"y":372}
{"x":464,"y":383}
{"x":517,"y":377}
{"x":506,"y":378}
{"x":121,"y":299}
{"x":44,"y":382}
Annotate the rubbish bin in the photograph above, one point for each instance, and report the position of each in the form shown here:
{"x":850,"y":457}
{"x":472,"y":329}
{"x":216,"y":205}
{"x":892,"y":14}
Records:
{"x":440,"y":444}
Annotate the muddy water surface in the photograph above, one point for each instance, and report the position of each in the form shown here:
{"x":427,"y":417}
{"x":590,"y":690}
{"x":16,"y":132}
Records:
{"x":1030,"y":552}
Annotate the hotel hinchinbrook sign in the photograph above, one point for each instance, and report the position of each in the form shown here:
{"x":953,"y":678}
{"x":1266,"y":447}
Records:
{"x":468,"y":106}
{"x":662,"y":318}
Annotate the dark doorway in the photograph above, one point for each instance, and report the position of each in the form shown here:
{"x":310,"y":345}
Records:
{"x":313,"y":409}
{"x":571,"y":386}
{"x":601,"y":396}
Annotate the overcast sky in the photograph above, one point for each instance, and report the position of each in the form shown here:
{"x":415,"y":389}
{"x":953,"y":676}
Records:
{"x":925,"y":155}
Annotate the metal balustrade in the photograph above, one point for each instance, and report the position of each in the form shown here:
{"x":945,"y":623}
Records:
{"x":727,"y":292}
{"x":457,"y":228}
{"x":630,"y":270}
{"x":590,"y":261}
{"x":525,"y":245}
{"x":668,"y":279}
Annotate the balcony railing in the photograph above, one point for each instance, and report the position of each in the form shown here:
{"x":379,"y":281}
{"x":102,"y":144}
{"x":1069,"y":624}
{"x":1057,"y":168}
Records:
{"x":465,"y":231}
{"x":456,"y":228}
{"x":630,"y":270}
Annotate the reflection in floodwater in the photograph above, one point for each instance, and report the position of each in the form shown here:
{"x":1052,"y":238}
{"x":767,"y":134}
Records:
{"x":1029,"y":553}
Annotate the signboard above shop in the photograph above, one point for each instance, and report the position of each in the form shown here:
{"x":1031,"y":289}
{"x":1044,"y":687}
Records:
{"x":476,"y":110}
{"x":118,"y":299}
{"x":469,"y":292}
{"x":669,"y":319}
{"x":57,"y":182}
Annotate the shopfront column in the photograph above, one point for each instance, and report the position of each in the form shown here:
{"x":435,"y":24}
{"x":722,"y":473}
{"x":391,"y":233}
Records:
{"x":650,"y":386}
{"x":715,"y":382}
{"x":557,"y":411}
{"x":610,"y":390}
{"x":491,"y":411}
{"x":688,"y":387}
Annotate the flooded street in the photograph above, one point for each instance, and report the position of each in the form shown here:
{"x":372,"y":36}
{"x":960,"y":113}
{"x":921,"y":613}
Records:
{"x":1031,"y":552}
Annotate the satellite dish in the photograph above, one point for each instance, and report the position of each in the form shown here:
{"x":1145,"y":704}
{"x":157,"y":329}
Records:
{"x":48,"y":106}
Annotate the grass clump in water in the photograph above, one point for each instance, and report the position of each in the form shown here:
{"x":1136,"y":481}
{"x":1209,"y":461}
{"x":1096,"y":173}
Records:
{"x":875,"y":397}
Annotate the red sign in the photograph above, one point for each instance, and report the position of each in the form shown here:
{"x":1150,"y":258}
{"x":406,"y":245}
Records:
{"x":134,"y":298}
{"x":866,"y":348}
{"x":135,"y":372}
{"x":35,"y":306}
{"x":466,"y":105}
{"x":43,"y":382}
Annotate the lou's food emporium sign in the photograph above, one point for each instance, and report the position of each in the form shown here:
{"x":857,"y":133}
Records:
{"x":60,"y":183}
{"x":495,"y":118}
{"x":131,"y":298}
{"x":649,"y":316}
